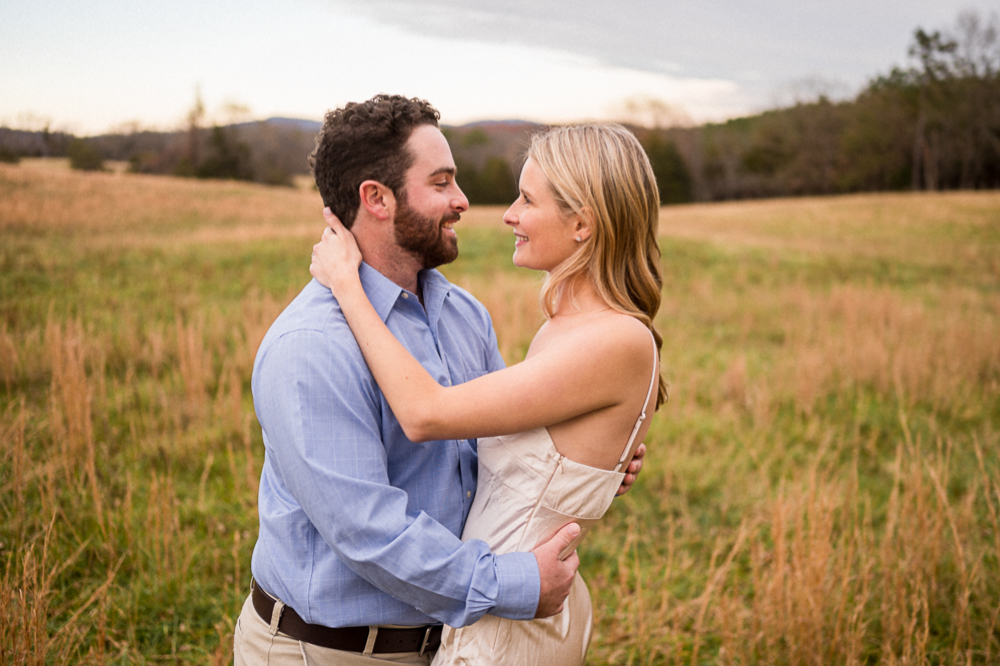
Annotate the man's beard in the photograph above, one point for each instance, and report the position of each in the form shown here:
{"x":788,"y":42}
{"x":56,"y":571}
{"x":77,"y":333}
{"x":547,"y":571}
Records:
{"x":423,"y":237}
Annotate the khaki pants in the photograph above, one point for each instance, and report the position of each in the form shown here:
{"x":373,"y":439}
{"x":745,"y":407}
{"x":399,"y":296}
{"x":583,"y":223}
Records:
{"x":255,"y":645}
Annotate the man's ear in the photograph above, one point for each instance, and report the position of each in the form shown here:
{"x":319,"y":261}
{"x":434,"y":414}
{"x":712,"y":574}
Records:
{"x":378,"y":200}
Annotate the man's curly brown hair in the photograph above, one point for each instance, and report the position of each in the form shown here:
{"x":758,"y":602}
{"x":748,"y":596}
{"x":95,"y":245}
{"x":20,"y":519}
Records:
{"x":366,"y":141}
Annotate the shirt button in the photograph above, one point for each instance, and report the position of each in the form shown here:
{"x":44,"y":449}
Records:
{"x":468,"y":493}
{"x":405,"y":295}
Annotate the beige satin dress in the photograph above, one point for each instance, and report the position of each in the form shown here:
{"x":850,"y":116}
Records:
{"x":527,"y":492}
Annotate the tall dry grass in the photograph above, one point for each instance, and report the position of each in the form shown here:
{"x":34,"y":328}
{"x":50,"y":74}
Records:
{"x":822,"y":488}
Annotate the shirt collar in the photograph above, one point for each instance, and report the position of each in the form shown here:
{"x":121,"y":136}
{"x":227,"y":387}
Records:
{"x":383,"y":292}
{"x":435,"y":289}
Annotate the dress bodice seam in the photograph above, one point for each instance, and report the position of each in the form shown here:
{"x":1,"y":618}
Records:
{"x":538,"y":502}
{"x":554,"y":450}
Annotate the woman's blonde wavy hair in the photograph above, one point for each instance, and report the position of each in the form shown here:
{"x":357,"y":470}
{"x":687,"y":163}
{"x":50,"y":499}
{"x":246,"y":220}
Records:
{"x":601,"y":173}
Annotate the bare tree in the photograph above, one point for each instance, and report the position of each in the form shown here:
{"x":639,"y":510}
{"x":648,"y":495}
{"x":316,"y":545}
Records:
{"x":194,"y":117}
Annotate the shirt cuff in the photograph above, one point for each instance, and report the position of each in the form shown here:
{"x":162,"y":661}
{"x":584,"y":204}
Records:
{"x":519,"y":586}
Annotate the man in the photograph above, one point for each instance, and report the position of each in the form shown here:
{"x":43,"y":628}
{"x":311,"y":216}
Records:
{"x":358,"y":558}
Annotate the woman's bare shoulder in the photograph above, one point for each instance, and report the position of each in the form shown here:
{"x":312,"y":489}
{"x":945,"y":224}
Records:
{"x":618,"y":337}
{"x":610,"y":343}
{"x":624,"y":328}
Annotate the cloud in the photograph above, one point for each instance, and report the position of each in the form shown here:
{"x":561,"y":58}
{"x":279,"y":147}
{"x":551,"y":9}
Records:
{"x":762,"y":45}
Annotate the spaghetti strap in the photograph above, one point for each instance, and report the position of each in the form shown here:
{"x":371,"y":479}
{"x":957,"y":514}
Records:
{"x":642,"y":416}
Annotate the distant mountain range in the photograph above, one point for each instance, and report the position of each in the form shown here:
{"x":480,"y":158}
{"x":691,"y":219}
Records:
{"x":309,"y":126}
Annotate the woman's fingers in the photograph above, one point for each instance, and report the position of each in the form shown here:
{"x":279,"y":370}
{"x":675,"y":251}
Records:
{"x":332,"y":221}
{"x":337,"y":249}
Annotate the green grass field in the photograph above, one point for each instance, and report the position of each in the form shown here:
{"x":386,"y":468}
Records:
{"x":823,"y":486}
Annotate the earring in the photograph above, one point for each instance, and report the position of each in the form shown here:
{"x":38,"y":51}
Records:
{"x":578,"y":239}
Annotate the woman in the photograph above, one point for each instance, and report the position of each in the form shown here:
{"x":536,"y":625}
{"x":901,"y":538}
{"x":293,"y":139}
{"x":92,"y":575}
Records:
{"x":555,"y":430}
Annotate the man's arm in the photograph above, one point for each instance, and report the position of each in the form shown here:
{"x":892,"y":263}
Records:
{"x":321,"y":414}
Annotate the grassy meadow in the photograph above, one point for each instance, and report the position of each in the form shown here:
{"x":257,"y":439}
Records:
{"x":823,"y":486}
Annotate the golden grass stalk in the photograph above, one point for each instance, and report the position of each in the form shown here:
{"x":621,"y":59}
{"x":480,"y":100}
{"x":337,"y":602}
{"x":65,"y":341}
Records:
{"x":12,"y":439}
{"x":229,"y":401}
{"x":24,"y":602}
{"x":70,"y":408}
{"x":195,"y":367}
{"x":9,"y":358}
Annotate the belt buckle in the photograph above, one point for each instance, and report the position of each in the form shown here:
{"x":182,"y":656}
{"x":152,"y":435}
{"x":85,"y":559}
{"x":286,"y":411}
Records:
{"x":427,"y":638}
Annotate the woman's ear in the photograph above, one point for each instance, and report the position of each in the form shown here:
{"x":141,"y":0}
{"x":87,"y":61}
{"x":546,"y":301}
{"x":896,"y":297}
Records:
{"x":378,"y":200}
{"x":582,"y":225}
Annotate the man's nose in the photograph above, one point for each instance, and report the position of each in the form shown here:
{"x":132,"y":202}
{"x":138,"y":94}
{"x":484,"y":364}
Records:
{"x":460,"y":202}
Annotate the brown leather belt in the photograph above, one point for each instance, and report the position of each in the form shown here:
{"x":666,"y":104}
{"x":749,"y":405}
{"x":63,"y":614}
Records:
{"x":350,"y":639}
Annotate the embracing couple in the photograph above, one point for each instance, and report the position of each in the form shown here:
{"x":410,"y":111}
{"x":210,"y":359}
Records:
{"x":409,"y":478}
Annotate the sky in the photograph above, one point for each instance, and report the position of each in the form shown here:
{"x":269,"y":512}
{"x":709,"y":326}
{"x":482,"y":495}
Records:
{"x":106,"y":65}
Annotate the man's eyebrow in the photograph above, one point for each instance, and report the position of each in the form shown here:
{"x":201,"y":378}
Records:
{"x":448,"y":170}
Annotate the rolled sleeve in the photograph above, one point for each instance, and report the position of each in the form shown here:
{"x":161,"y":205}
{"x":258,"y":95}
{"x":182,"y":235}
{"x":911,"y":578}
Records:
{"x":520,"y":586}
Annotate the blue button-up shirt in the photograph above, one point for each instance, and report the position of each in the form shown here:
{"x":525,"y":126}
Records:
{"x":358,"y":525}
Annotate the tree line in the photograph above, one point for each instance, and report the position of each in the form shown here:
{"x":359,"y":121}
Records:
{"x":931,"y":126}
{"x":270,"y":151}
